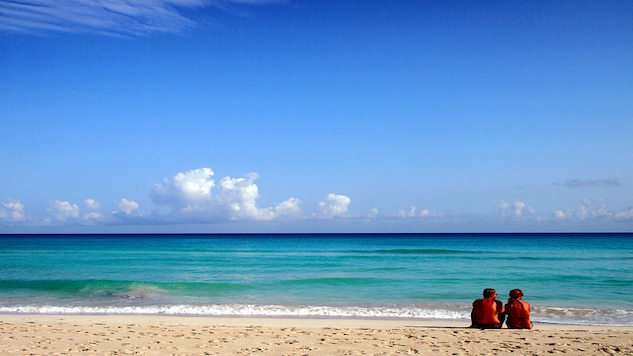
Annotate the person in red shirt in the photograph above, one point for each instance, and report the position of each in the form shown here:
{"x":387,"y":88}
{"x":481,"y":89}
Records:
{"x":487,"y":312}
{"x":518,"y":311}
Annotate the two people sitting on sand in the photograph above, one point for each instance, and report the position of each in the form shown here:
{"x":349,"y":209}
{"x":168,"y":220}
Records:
{"x":489,"y":313}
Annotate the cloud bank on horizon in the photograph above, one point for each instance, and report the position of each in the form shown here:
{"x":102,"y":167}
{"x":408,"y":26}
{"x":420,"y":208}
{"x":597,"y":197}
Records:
{"x":194,"y":197}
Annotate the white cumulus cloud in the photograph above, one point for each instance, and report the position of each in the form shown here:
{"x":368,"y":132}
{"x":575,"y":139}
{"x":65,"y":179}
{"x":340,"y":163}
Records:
{"x":127,"y":206}
{"x":239,"y":196}
{"x":515,"y":210}
{"x":190,"y":195}
{"x":12,"y":210}
{"x":560,"y":215}
{"x":333,"y":206}
{"x":185,"y":189}
{"x":626,"y":215}
{"x":92,"y":204}
{"x":289,"y":208}
{"x":93,"y":217}
{"x":63,"y":210}
{"x":593,"y":209}
{"x":413,"y":213}
{"x":373,"y":213}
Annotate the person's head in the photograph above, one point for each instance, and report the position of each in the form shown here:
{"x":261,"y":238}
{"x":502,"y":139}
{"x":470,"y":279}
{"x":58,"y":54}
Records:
{"x":516,"y":293}
{"x":490,"y":293}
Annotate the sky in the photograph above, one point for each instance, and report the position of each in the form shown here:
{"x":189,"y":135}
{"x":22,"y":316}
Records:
{"x":216,"y":116}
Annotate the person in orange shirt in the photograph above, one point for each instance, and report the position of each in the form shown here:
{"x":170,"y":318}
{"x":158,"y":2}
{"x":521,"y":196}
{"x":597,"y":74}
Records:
{"x":518,"y":311}
{"x":487,"y":312}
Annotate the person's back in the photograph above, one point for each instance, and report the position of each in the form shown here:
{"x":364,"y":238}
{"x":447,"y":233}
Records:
{"x":518,"y":311}
{"x":487,"y":312}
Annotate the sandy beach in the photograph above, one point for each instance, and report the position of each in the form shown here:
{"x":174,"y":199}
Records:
{"x":169,"y":335}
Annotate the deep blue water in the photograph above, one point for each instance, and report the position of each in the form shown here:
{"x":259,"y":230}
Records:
{"x":568,"y":278}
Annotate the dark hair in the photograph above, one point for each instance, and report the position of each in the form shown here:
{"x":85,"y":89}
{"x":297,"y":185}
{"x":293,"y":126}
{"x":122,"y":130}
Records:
{"x":516,"y":293}
{"x":489,"y":292}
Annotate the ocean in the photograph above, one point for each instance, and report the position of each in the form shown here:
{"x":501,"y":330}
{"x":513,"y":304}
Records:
{"x":582,"y":279}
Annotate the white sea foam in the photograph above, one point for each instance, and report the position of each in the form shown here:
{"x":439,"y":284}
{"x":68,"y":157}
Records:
{"x":247,"y":310}
{"x":583,"y":316}
{"x":542,"y":315}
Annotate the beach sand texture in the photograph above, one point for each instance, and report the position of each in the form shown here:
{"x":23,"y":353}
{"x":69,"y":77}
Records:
{"x":160,"y":335}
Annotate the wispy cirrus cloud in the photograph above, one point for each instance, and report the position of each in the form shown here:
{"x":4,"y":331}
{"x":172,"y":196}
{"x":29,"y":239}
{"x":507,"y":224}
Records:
{"x":579,"y":183}
{"x":109,"y":17}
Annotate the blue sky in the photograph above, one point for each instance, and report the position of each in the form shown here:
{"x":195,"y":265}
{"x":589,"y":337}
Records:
{"x":316,"y":116}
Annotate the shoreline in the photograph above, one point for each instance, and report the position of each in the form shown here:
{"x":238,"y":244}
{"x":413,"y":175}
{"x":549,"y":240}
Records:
{"x":300,"y":321}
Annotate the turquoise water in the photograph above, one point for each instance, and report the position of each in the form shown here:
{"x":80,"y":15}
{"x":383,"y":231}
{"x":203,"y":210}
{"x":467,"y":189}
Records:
{"x":568,"y":278}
